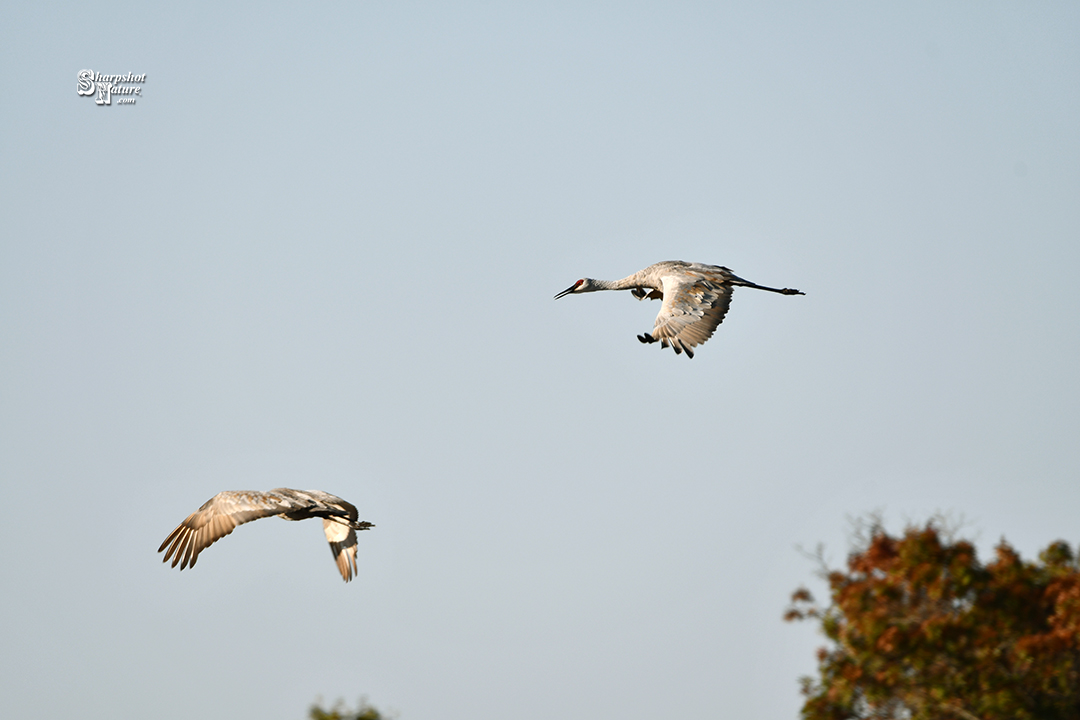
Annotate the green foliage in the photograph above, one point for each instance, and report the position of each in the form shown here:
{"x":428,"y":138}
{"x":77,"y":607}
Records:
{"x":340,"y":712}
{"x":921,"y":630}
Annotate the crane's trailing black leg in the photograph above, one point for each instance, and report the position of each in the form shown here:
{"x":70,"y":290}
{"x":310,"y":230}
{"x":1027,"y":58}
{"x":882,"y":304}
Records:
{"x":782,"y":291}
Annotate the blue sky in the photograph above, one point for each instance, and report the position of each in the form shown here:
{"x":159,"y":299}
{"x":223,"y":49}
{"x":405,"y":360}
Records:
{"x":320,"y":252}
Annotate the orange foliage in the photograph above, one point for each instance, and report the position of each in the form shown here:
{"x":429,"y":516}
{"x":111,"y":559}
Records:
{"x":920,"y":629}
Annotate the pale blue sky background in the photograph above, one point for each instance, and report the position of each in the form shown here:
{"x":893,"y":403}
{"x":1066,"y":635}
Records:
{"x":321,"y":250}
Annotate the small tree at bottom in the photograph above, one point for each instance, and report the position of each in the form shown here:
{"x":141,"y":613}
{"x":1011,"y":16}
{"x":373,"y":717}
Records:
{"x":339,"y":711}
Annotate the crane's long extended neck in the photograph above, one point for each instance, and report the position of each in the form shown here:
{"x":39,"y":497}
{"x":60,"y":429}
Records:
{"x":627,"y":283}
{"x":585,"y":285}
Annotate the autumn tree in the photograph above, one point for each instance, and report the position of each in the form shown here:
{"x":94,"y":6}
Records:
{"x":921,"y":630}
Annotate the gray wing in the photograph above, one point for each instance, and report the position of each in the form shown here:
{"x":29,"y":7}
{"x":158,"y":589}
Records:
{"x":340,"y":523}
{"x":339,"y":532}
{"x":218,"y":517}
{"x":342,"y":539}
{"x":694,"y":305}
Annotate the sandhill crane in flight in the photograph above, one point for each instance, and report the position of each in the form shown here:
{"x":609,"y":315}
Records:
{"x":696,"y":298}
{"x":220,"y":515}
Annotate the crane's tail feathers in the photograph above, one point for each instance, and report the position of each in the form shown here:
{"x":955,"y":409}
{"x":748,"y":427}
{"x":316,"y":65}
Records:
{"x":679,"y":347}
{"x":673,"y":343}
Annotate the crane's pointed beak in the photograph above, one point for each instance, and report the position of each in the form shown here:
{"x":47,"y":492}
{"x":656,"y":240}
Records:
{"x":567,"y":291}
